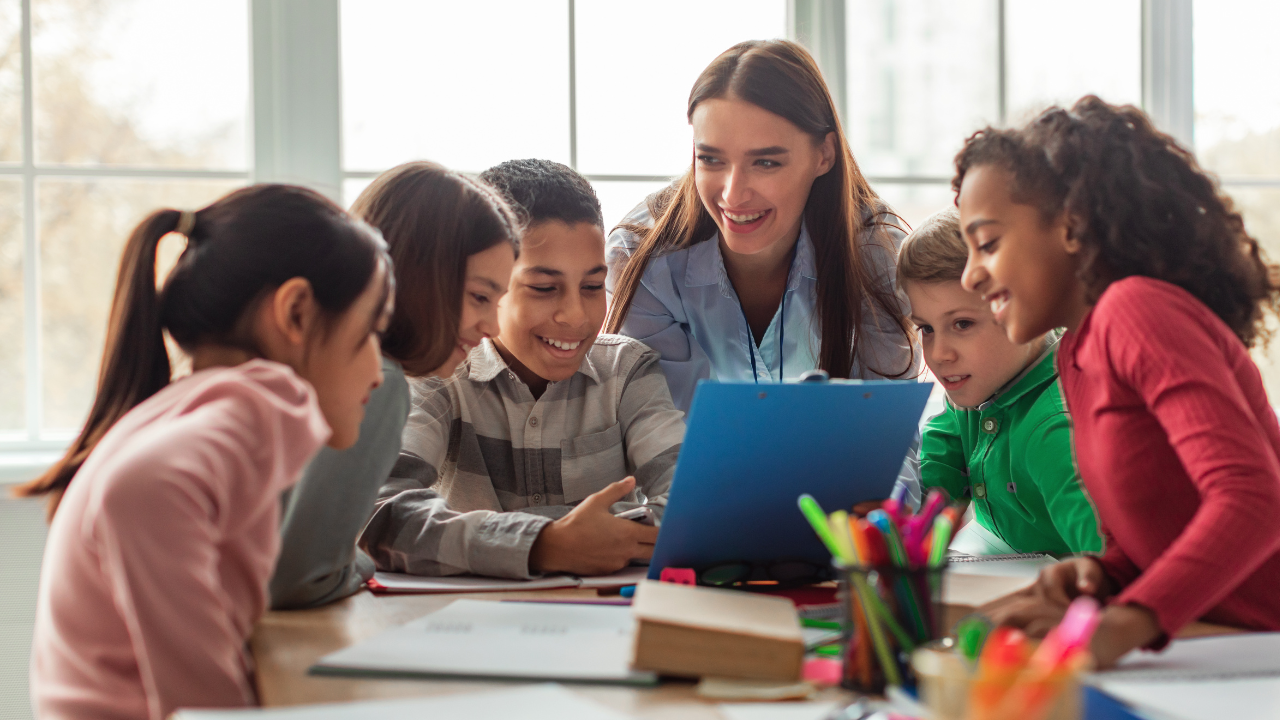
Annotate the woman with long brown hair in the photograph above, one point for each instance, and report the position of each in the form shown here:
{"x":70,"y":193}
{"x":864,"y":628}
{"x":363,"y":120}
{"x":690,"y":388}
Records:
{"x":771,"y":256}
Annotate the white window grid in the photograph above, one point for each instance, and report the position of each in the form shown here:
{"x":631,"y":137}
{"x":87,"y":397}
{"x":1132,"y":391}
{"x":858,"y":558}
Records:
{"x":296,"y":129}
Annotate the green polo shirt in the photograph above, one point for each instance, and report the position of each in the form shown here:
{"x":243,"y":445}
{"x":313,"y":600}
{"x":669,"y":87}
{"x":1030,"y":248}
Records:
{"x":1014,"y":456}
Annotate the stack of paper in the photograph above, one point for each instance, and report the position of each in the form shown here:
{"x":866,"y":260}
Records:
{"x":475,"y":638}
{"x":537,"y":702}
{"x":976,"y":580}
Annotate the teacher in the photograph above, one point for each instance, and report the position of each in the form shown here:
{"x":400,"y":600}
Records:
{"x":772,"y":256}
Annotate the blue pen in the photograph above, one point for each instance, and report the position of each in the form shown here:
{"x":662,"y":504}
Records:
{"x":898,"y":554}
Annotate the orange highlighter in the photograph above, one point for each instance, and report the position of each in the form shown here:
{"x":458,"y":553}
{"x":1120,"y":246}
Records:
{"x":1003,"y":658}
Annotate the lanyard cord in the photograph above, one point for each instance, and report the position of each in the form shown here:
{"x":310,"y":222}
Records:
{"x":782,"y":326}
{"x":782,"y":339}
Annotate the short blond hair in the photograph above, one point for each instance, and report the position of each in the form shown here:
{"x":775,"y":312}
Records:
{"x":935,"y":251}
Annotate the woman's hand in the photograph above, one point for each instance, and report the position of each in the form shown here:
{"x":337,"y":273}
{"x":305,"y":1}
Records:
{"x":590,"y":540}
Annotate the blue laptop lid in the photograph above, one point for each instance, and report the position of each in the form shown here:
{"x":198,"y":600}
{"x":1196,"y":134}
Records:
{"x":750,"y":450}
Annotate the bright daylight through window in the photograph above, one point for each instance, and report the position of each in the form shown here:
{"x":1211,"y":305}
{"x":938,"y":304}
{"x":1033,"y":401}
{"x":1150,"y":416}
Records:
{"x":111,"y":115}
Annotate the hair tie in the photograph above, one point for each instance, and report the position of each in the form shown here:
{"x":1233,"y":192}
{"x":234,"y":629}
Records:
{"x":186,"y":223}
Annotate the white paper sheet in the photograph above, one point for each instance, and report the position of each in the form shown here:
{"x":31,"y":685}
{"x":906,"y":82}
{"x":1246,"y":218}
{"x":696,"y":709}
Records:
{"x":536,"y":702}
{"x":1248,"y":655}
{"x":625,"y":576}
{"x":402,"y":583}
{"x":777,"y":711}
{"x":1244,"y":699}
{"x":476,"y":638}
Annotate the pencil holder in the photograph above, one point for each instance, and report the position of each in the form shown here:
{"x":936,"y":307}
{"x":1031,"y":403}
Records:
{"x":946,"y":679}
{"x":888,"y":612}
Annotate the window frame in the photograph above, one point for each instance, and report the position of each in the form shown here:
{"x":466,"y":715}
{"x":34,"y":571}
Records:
{"x":296,"y":135}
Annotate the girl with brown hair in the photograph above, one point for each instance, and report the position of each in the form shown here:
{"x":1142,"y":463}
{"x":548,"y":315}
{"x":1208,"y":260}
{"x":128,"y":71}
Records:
{"x":1093,"y":220}
{"x":453,"y":240}
{"x":771,"y":256}
{"x":166,"y":507}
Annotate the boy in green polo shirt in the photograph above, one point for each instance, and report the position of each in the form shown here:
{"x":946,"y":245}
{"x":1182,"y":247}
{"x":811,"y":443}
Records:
{"x":1004,"y":439}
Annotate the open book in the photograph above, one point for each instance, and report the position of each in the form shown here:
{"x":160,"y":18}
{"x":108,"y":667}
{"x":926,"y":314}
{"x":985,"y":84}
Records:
{"x":401,"y":583}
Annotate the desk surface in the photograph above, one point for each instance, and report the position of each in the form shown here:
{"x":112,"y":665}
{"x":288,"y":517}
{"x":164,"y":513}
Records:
{"x":285,"y":644}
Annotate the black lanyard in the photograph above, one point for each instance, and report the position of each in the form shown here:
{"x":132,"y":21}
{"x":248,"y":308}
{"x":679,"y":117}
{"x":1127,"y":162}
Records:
{"x":782,"y":337}
{"x":782,"y":325}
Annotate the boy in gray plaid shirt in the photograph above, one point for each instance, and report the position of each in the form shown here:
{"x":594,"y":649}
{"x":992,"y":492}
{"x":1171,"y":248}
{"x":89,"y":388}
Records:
{"x":516,"y":465}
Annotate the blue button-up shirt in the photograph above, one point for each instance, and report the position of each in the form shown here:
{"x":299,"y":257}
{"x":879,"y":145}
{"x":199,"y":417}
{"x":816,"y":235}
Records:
{"x":687,"y":310}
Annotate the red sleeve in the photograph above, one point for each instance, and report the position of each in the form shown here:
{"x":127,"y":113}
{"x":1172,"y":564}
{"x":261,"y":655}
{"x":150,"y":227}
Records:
{"x":1114,"y":562}
{"x":1178,"y":357}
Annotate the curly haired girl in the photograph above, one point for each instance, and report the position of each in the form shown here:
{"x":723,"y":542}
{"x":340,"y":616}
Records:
{"x":1091,"y":219}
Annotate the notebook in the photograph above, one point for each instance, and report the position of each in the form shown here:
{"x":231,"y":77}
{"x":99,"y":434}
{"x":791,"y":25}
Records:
{"x":519,"y":640}
{"x":535,"y":702}
{"x":1239,"y":699}
{"x":1226,"y":657}
{"x":1231,"y":676}
{"x":975,"y":580}
{"x":390,"y":583}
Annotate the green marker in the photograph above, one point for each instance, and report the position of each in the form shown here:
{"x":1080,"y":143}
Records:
{"x":941,"y":538}
{"x":818,"y":519}
{"x":971,"y":635}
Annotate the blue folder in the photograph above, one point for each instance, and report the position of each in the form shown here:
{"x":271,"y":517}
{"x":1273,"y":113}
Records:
{"x":750,"y":450}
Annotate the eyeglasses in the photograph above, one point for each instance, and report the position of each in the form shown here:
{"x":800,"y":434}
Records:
{"x":775,"y":573}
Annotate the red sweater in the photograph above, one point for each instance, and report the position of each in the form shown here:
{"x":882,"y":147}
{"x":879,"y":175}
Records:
{"x":1181,"y":453}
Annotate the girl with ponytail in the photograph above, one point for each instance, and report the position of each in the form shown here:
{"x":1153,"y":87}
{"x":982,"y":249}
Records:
{"x":165,"y":509}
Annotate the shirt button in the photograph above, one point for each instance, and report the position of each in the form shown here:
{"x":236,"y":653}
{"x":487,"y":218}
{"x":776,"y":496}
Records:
{"x":533,"y":421}
{"x":1013,"y":488}
{"x":537,"y":498}
{"x":990,"y":426}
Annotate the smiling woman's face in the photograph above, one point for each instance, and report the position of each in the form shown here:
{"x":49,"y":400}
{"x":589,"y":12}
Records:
{"x":753,"y":171}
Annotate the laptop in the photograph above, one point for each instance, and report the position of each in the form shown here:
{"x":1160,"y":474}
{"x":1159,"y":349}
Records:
{"x":750,"y":450}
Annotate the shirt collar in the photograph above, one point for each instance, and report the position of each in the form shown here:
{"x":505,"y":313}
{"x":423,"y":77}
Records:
{"x":485,"y":364}
{"x":706,"y":263}
{"x":1032,"y":377}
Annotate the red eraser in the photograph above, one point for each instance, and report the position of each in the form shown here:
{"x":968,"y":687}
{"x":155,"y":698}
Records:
{"x":823,"y":671}
{"x":679,"y":576}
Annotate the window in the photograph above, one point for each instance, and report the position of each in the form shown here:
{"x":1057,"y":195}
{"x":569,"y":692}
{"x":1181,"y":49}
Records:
{"x":617,"y":114}
{"x":922,"y":75}
{"x":109,"y":110}
{"x":1237,"y":122}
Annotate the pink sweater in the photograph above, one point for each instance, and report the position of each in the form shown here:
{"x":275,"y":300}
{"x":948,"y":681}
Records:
{"x":158,"y":559}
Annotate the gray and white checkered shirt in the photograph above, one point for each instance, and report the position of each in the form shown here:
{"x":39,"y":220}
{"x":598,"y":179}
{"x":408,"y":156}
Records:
{"x":484,"y":466}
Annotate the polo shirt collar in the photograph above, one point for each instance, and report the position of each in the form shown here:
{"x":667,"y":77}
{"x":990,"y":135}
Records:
{"x":486,"y":363}
{"x":1032,"y":377}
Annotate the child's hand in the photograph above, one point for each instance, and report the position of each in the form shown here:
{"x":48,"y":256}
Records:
{"x":590,"y":540}
{"x":1123,"y":628}
{"x":1065,"y":581}
{"x":1039,"y":607}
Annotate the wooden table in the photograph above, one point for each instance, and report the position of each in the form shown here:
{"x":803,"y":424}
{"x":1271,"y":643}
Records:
{"x":286,"y":643}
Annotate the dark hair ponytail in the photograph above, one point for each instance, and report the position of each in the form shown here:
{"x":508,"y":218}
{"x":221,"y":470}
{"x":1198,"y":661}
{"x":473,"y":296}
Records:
{"x":238,"y":249}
